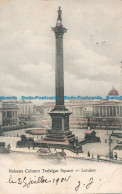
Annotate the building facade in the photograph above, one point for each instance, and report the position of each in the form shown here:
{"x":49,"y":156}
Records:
{"x":9,"y":114}
{"x":101,"y":113}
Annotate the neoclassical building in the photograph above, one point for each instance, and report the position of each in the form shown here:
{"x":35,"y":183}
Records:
{"x":106,"y":112}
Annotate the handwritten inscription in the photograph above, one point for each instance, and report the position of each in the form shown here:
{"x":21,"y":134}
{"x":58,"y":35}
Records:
{"x":27,"y":182}
{"x":87,"y":186}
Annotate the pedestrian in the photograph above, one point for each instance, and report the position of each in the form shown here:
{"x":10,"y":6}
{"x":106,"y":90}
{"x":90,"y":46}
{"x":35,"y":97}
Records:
{"x":115,"y":156}
{"x":77,"y":152}
{"x":92,"y":156}
{"x":88,"y":154}
{"x":29,"y":147}
{"x":98,"y":157}
{"x":49,"y":149}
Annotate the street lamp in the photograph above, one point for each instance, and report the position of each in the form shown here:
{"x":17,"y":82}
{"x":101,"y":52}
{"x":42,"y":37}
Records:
{"x":107,"y":129}
{"x":110,"y":152}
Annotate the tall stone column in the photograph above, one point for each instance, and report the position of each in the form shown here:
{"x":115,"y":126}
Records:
{"x":59,"y":80}
{"x":59,"y":31}
{"x":60,"y":135}
{"x":60,"y":115}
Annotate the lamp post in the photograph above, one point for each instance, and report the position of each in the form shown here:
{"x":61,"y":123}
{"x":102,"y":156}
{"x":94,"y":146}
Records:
{"x":110,"y":152}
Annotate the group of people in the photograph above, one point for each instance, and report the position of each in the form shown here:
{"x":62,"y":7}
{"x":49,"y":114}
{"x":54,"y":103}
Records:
{"x":98,"y":156}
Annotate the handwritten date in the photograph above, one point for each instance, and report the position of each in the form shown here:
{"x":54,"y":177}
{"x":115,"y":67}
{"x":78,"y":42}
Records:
{"x":25,"y":182}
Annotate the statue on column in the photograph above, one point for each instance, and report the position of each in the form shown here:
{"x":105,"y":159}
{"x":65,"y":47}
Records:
{"x":59,"y":13}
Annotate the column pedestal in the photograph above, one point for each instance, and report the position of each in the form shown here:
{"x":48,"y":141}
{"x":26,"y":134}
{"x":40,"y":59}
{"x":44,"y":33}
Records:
{"x":60,"y":136}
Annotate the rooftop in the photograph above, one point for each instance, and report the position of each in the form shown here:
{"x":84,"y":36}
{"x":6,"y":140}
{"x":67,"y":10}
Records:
{"x":113,"y":92}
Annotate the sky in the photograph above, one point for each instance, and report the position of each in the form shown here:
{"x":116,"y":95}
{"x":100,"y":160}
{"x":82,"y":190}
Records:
{"x":92,"y":47}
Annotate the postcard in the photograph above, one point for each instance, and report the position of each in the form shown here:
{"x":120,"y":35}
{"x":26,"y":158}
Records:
{"x":60,"y":97}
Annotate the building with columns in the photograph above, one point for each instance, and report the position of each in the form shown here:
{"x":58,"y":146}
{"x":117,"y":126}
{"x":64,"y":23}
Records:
{"x":102,"y":112}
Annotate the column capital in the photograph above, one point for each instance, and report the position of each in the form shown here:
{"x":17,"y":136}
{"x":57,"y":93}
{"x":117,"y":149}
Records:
{"x":59,"y":31}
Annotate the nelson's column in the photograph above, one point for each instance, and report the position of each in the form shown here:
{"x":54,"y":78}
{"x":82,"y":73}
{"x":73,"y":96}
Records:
{"x":60,"y":136}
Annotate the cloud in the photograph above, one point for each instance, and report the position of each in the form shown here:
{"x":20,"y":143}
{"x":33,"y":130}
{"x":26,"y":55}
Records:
{"x":27,"y":49}
{"x":86,"y":64}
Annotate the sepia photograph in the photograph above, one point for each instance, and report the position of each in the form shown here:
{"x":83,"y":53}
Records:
{"x":61,"y":96}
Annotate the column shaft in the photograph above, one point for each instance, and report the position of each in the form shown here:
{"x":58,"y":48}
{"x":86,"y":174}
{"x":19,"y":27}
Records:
{"x":59,"y":71}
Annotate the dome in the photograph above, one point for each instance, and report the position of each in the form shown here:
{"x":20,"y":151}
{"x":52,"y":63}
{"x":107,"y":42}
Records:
{"x":113,"y":92}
